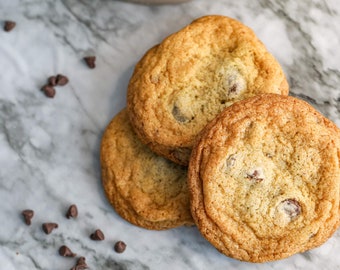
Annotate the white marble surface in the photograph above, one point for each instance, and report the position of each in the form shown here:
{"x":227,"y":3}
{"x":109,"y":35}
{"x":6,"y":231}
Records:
{"x":49,"y":148}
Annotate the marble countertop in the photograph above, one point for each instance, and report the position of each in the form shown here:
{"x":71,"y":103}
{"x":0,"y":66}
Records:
{"x":49,"y":152}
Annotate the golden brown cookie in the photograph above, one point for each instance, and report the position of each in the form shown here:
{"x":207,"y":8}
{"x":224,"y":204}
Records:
{"x":264,"y":179}
{"x":145,"y":189}
{"x":184,"y":82}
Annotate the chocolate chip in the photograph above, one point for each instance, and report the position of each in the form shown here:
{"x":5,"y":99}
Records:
{"x":291,"y":208}
{"x":312,"y":235}
{"x":28,"y":215}
{"x":269,"y":155}
{"x":256,"y":176}
{"x":97,"y":235}
{"x":233,"y":88}
{"x":120,"y":247}
{"x":72,"y":211}
{"x":90,"y":61}
{"x":48,"y":90}
{"x":66,"y":252}
{"x":231,"y":160}
{"x":235,"y":83}
{"x":81,"y":264}
{"x":52,"y":81}
{"x":81,"y":261}
{"x":61,"y":80}
{"x":178,"y":115}
{"x":9,"y":25}
{"x":49,"y":227}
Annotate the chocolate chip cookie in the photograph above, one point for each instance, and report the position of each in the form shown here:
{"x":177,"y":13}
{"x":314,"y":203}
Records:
{"x":185,"y":81}
{"x":145,"y":189}
{"x":264,"y":179}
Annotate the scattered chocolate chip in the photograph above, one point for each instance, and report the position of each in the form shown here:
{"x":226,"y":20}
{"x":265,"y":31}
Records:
{"x":72,"y":211}
{"x":52,"y":81}
{"x":81,"y":264}
{"x":97,"y":235}
{"x":9,"y":25}
{"x":291,"y":207}
{"x":90,"y":61}
{"x":81,"y":260}
{"x":120,"y":247}
{"x":28,"y":215}
{"x":66,"y":252}
{"x":49,"y":227}
{"x":48,"y":90}
{"x":61,"y":80}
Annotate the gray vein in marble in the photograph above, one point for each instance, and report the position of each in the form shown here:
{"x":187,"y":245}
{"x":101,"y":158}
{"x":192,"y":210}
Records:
{"x":86,"y":22}
{"x":7,"y":116}
{"x":85,"y":19}
{"x":51,"y":147}
{"x":109,"y":263}
{"x":57,"y":22}
{"x":11,"y":125}
{"x":35,"y":263}
{"x":87,"y":114}
{"x":308,"y":63}
{"x":313,"y":76}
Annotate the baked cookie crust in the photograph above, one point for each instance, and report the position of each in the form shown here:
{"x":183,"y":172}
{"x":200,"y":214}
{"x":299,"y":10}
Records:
{"x":264,"y":179}
{"x":192,"y":75}
{"x":145,"y":189}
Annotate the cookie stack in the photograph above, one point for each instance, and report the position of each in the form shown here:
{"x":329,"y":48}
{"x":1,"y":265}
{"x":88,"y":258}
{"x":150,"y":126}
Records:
{"x":263,"y":180}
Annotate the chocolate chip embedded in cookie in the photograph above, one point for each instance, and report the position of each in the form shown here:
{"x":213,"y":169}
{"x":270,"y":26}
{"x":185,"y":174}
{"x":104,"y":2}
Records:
{"x":257,"y":207}
{"x":145,"y":189}
{"x":192,"y":75}
{"x":287,"y":211}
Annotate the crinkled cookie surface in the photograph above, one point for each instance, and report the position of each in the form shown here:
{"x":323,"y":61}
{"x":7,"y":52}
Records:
{"x":145,"y":189}
{"x":192,"y":75}
{"x":264,"y":179}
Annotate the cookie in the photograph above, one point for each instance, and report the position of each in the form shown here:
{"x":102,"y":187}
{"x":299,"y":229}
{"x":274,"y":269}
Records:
{"x":264,"y":179}
{"x":145,"y":189}
{"x":185,"y":81}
